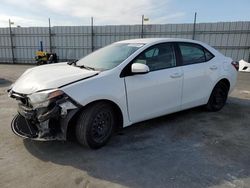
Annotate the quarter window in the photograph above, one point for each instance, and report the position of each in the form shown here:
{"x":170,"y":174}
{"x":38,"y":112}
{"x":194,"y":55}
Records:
{"x":208,"y":55}
{"x":192,"y":53}
{"x":158,"y":57}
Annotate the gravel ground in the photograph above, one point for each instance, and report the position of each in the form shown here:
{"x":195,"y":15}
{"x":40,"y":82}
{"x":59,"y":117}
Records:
{"x":193,"y":148}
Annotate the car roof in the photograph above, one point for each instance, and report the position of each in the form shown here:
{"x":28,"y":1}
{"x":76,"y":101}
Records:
{"x":149,"y":41}
{"x":153,"y":40}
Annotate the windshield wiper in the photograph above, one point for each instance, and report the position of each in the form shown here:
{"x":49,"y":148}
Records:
{"x":80,"y":66}
{"x":86,"y":67}
{"x":72,"y":62}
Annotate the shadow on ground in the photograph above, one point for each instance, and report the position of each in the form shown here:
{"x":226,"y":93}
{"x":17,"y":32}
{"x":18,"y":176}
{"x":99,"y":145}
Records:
{"x":193,"y":148}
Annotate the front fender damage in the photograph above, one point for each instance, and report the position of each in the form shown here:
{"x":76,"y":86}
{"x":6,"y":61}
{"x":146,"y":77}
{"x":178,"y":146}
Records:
{"x":45,"y":124}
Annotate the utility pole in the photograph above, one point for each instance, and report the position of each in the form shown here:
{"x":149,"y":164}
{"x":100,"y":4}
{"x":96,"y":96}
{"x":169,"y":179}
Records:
{"x":142,"y":22}
{"x":50,"y":45}
{"x":92,"y":34}
{"x":11,"y":42}
{"x":193,"y":37}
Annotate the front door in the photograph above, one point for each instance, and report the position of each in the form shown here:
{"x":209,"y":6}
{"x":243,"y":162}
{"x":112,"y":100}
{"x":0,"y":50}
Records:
{"x":158,"y":92}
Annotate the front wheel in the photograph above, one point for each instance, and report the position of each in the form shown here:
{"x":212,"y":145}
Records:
{"x":218,"y":97}
{"x":95,"y":125}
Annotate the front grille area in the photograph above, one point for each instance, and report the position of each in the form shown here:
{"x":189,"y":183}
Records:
{"x":26,"y":112}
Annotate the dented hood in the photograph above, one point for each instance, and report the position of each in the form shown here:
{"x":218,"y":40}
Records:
{"x":50,"y":77}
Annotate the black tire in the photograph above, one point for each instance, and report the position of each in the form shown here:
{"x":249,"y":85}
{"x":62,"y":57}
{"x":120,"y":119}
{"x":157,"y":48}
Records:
{"x":95,"y":125}
{"x":218,"y":97}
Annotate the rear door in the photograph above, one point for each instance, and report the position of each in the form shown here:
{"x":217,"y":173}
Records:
{"x":199,"y":69}
{"x":159,"y":91}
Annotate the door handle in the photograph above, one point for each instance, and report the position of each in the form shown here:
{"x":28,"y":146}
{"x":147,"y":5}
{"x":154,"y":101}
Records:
{"x":176,"y":75}
{"x":213,"y":67}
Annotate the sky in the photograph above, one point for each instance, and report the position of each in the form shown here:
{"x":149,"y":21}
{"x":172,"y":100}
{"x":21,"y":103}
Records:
{"x":29,"y":13}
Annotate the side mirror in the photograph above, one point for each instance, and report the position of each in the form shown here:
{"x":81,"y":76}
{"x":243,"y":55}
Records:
{"x":139,"y":68}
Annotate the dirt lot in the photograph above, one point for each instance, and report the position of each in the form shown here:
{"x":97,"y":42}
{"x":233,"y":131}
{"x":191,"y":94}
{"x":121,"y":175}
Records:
{"x":193,"y":148}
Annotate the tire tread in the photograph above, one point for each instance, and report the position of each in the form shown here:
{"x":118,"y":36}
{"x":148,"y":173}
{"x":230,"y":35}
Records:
{"x":85,"y":117}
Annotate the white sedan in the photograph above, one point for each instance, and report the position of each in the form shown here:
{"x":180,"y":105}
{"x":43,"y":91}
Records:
{"x":118,"y":85}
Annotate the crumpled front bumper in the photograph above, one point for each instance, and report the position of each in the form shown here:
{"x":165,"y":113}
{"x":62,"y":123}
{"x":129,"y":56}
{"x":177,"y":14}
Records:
{"x":46,"y":114}
{"x":44,"y":124}
{"x":23,"y":128}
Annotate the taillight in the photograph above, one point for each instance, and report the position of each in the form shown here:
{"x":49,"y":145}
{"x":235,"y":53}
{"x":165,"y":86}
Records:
{"x":235,"y":64}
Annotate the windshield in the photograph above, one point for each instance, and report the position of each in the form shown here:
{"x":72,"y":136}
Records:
{"x":109,"y":57}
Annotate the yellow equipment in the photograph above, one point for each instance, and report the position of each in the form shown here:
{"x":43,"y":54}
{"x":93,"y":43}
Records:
{"x":43,"y":57}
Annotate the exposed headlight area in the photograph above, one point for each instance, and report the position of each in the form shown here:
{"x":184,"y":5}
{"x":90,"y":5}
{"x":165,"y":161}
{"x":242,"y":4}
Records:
{"x":44,"y":98}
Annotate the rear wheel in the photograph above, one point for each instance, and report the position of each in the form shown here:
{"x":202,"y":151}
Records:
{"x":95,"y":125}
{"x":218,"y":97}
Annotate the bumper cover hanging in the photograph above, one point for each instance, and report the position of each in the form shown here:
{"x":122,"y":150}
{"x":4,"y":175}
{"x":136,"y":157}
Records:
{"x":23,"y":128}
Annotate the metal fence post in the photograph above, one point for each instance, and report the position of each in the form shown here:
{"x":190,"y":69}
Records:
{"x":194,"y":26}
{"x":92,"y":34}
{"x":50,"y":46}
{"x":249,"y":55}
{"x":11,"y":43}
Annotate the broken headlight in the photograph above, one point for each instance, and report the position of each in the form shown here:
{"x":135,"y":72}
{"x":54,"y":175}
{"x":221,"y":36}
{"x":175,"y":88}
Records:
{"x":43,"y":98}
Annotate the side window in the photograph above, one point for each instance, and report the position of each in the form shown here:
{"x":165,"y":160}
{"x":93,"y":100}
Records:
{"x":151,"y":53}
{"x":191,"y":53}
{"x":208,"y":55}
{"x":158,"y":57}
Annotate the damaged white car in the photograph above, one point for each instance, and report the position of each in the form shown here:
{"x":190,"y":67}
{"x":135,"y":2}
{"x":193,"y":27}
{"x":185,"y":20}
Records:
{"x":121,"y":84}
